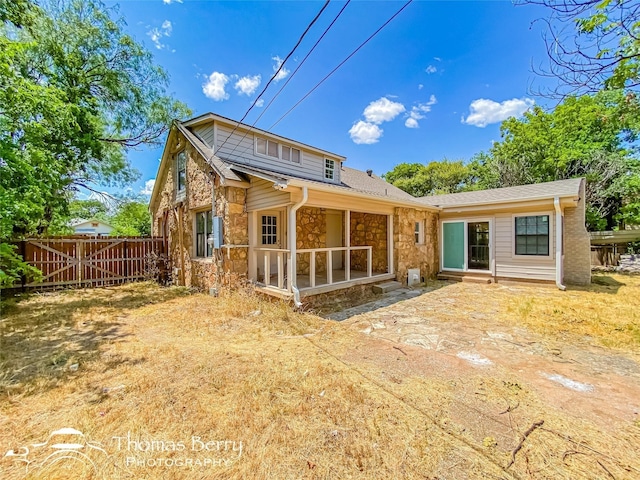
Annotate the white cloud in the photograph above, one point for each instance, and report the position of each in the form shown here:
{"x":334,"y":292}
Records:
{"x":365,"y":133}
{"x":417,"y":112}
{"x":382,"y":110}
{"x":411,"y":123}
{"x":282,"y":74}
{"x":420,"y":87}
{"x":431,"y":69}
{"x":213,"y":88}
{"x":248,"y":84}
{"x":169,"y":2}
{"x":484,"y":112}
{"x":148,"y":187}
{"x":437,"y":59}
{"x":157,"y":34}
{"x":260,"y":102}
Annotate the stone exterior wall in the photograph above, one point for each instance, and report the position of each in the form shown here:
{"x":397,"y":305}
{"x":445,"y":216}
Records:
{"x":188,"y":270}
{"x":577,"y":244}
{"x":408,"y":253}
{"x":311,"y":232}
{"x":369,"y":229}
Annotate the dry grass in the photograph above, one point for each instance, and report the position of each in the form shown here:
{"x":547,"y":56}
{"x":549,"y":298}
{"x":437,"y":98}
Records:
{"x":607,"y":312}
{"x":306,"y":397}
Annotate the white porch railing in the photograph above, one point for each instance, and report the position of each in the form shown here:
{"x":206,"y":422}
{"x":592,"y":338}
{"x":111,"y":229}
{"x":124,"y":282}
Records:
{"x":264,"y":257}
{"x":329,"y":267}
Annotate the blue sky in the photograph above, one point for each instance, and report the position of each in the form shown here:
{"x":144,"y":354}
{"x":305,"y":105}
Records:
{"x":435,"y":83}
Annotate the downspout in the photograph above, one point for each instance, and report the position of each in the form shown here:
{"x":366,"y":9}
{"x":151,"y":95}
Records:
{"x":559,"y":231}
{"x":292,"y":246}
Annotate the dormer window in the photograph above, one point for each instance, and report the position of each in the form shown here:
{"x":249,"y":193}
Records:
{"x":329,"y":169}
{"x":273,"y":149}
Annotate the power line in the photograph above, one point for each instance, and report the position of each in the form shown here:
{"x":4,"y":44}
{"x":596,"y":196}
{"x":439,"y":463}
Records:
{"x":290,"y":77}
{"x":326,"y":4}
{"x":342,"y":63}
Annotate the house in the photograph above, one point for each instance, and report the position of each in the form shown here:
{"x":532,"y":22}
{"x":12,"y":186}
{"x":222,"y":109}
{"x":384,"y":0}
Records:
{"x":240,"y":204}
{"x":93,"y":227}
{"x":531,"y":232}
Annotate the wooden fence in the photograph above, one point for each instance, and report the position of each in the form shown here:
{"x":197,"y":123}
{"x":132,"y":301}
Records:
{"x":89,"y":261}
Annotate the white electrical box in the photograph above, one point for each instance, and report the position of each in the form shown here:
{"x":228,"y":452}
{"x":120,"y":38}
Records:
{"x":413,"y":277}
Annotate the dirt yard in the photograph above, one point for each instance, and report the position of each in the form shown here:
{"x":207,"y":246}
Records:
{"x":452,"y":381}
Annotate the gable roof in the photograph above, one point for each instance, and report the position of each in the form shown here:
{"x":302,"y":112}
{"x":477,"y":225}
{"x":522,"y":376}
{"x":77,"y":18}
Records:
{"x":79,"y":221}
{"x":535,"y":191}
{"x":208,"y":117}
{"x":352,"y":181}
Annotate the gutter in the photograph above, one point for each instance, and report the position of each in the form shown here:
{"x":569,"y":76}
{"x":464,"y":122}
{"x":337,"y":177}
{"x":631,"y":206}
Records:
{"x":559,"y":255}
{"x":292,"y":246}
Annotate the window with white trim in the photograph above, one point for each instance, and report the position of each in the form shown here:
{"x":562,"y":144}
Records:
{"x":419,"y":233}
{"x":329,"y":169}
{"x":532,"y":235}
{"x":269,"y":230}
{"x":204,"y":226}
{"x":181,"y":172}
{"x":274,"y":149}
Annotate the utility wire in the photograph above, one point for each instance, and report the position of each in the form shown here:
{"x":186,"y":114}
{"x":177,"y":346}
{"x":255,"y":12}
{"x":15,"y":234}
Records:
{"x":290,"y":77}
{"x":326,"y":4}
{"x":342,"y":63}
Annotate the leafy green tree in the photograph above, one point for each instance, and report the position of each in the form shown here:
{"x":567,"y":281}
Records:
{"x":131,"y":218}
{"x":76,"y":93}
{"x":433,"y":178}
{"x":592,"y":44}
{"x":590,"y":136}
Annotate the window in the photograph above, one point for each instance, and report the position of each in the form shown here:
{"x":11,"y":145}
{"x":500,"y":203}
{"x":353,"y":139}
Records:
{"x":204,"y":226}
{"x":532,"y":235}
{"x":419,"y":233}
{"x":269,"y":230}
{"x":182,"y":171}
{"x":329,"y":169}
{"x":275,"y":150}
{"x":290,"y":154}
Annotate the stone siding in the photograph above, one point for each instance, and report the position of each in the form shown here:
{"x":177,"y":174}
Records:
{"x":408,"y":253}
{"x":577,"y":244}
{"x":311,"y":232}
{"x":203,"y":273}
{"x":369,"y":229}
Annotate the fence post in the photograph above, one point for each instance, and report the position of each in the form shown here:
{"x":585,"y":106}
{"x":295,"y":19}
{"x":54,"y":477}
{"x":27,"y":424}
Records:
{"x":79,"y":255}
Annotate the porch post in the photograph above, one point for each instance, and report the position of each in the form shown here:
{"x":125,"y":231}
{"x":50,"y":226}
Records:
{"x":253,"y":255}
{"x":390,"y":245}
{"x":347,"y":243}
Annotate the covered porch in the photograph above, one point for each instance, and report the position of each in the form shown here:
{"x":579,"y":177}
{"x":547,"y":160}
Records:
{"x":313,"y":249}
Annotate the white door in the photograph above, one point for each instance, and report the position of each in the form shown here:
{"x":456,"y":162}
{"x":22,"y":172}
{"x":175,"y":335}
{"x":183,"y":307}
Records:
{"x":270,"y":235}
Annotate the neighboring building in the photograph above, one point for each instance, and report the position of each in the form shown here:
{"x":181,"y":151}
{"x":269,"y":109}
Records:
{"x":92,"y":227}
{"x":516,"y":232}
{"x":292,"y":218}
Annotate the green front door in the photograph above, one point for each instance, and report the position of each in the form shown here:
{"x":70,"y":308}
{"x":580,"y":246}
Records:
{"x":453,"y":245}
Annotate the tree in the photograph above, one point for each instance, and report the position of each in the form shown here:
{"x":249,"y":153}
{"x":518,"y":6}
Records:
{"x":132,"y":218}
{"x":431,"y":179}
{"x":590,"y":136}
{"x":75,"y":94}
{"x":592,"y":44}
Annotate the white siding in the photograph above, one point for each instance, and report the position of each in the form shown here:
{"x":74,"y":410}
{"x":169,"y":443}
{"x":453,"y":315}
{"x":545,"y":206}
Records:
{"x":240,"y":148}
{"x":261,"y":195}
{"x":509,"y":265}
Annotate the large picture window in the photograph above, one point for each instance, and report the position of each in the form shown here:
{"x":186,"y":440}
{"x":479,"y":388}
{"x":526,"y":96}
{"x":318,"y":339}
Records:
{"x":532,"y":235}
{"x":204,"y":226}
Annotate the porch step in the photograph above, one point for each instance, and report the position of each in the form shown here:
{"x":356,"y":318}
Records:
{"x":386,"y":287}
{"x":464,"y":278}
